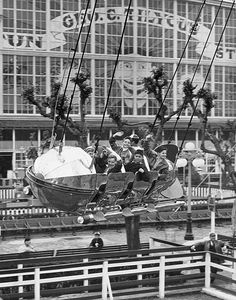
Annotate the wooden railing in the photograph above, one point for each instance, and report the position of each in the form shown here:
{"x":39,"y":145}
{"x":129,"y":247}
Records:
{"x":114,"y":275}
{"x":68,"y":252}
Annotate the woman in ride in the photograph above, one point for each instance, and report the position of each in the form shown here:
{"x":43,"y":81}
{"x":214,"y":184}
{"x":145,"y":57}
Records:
{"x":125,"y":151}
{"x":162,"y":165}
{"x":113,"y":165}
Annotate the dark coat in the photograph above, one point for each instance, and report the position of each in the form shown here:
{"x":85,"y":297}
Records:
{"x":100,"y":164}
{"x":115,"y":169}
{"x":134,"y":168}
{"x":205,"y":246}
{"x":96,"y":243}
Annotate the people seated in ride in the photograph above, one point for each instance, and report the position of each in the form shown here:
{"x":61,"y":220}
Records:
{"x":99,"y":158}
{"x":135,"y":143}
{"x":138,"y":167}
{"x":150,"y":154}
{"x":162,"y":165}
{"x":125,"y":151}
{"x":113,"y":165}
{"x":90,"y":150}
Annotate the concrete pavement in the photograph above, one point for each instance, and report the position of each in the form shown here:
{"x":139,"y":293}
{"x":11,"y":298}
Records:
{"x":109,"y":236}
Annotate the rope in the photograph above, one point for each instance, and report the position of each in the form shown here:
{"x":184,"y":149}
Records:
{"x":195,"y":71}
{"x":208,"y":71}
{"x":53,"y":136}
{"x":193,"y":29}
{"x":112,"y":78}
{"x":81,"y":60}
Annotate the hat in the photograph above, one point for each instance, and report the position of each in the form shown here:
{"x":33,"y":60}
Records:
{"x":212,"y":234}
{"x":160,"y":148}
{"x":134,"y":137}
{"x":139,"y":151}
{"x":97,"y":233}
{"x":127,"y":138}
{"x":89,"y":149}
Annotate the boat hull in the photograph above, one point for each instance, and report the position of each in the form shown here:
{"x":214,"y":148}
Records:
{"x":64,"y":198}
{"x":85,"y":194}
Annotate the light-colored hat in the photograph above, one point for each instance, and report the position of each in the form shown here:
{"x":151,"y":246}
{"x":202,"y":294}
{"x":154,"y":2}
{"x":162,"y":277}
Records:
{"x":89,"y":149}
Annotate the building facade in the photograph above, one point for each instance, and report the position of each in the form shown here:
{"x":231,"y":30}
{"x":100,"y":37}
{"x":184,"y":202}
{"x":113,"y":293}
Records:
{"x":37,"y":39}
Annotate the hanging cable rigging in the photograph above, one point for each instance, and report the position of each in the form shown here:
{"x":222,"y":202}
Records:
{"x":208,"y":71}
{"x":195,"y":71}
{"x":113,"y":75}
{"x":192,"y":31}
{"x":53,"y":135}
{"x":77,"y":76}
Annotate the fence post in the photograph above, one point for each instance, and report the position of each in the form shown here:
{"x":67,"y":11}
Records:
{"x":139,"y":267}
{"x":151,"y":243}
{"x":162,"y":278}
{"x":85,"y":272}
{"x":37,"y":283}
{"x":234,"y":266}
{"x":106,"y":285}
{"x":20,"y":279}
{"x":207,"y":270}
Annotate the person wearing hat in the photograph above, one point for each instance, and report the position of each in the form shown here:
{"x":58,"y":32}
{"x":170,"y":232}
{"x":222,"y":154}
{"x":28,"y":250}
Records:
{"x":137,"y":166}
{"x":135,"y":141}
{"x":149,"y":153}
{"x":99,"y":158}
{"x":97,"y":242}
{"x":212,"y":245}
{"x":125,"y":151}
{"x":90,"y":150}
{"x":135,"y":146}
{"x":162,"y":165}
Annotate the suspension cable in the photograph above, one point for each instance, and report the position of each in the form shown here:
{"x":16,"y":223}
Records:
{"x":113,"y":75}
{"x":63,"y":76}
{"x":193,"y":29}
{"x":77,"y":75}
{"x":208,"y":71}
{"x":196,"y":69}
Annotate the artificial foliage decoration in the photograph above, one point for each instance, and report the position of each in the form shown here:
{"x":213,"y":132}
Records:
{"x":58,"y":106}
{"x":31,"y":153}
{"x":208,"y":98}
{"x":188,"y":88}
{"x":116,"y":118}
{"x":156,"y":81}
{"x":83,"y":82}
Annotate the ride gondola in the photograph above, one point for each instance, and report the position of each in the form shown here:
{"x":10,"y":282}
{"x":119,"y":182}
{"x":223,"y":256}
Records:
{"x":95,"y":194}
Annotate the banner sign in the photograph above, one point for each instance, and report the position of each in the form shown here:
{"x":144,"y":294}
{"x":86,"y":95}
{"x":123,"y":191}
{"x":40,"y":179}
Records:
{"x":69,"y":21}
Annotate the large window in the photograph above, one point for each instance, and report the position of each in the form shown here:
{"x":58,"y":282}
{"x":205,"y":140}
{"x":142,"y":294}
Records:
{"x":156,"y":34}
{"x":230,"y":92}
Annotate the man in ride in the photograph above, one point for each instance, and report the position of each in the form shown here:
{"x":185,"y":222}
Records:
{"x":138,"y":167}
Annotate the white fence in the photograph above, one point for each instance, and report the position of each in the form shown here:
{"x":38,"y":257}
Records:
{"x":204,"y":192}
{"x":102,"y":271}
{"x":7,"y":193}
